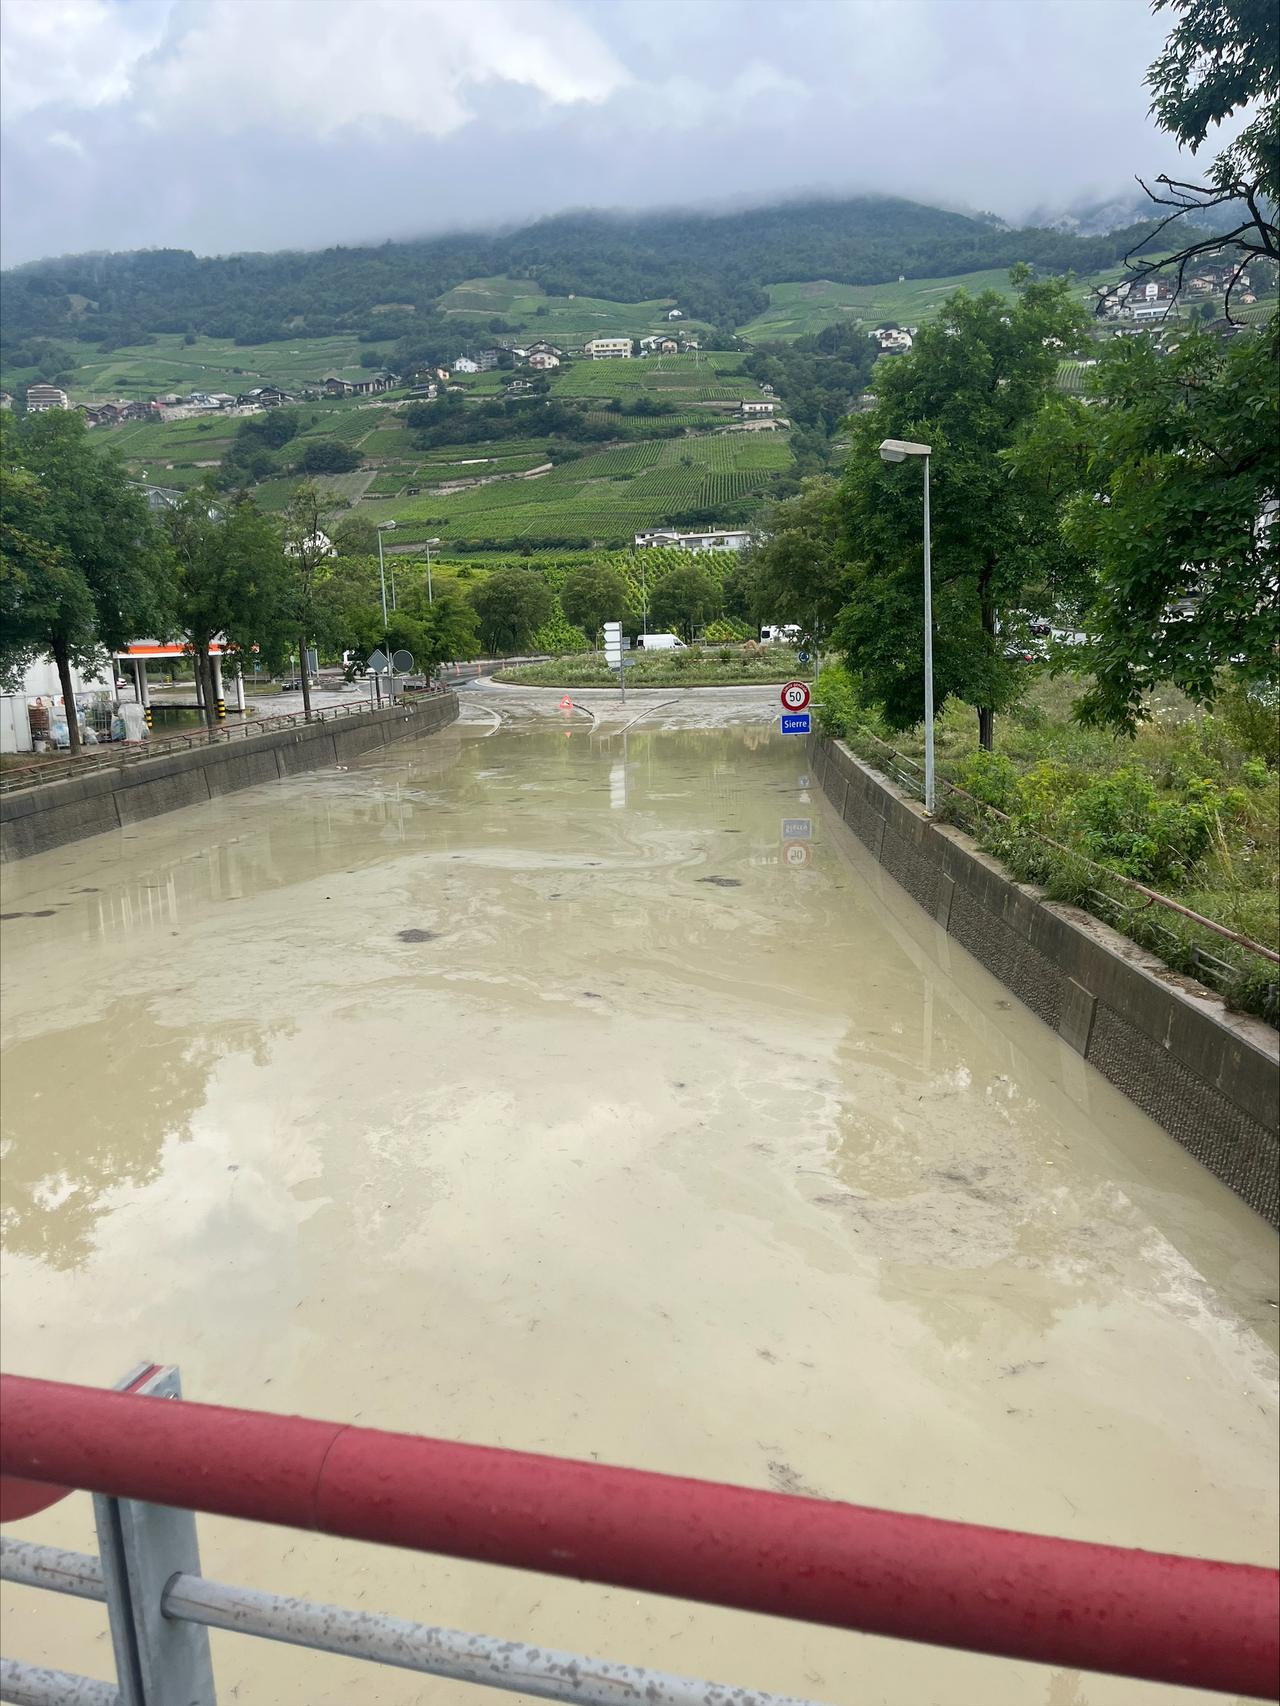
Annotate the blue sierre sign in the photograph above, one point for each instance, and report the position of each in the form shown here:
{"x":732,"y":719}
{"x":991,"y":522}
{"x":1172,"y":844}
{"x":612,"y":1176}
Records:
{"x":795,"y":723}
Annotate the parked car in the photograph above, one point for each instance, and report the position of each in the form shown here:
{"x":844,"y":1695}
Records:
{"x":293,"y":684}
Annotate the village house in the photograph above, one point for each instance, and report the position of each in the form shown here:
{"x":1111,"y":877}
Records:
{"x":675,"y":314}
{"x":42,"y":397}
{"x":668,"y":346}
{"x":709,"y":541}
{"x":487,"y":360}
{"x":264,"y":397}
{"x":464,"y":364}
{"x":6,"y":399}
{"x":542,"y":360}
{"x":607,"y":349}
{"x":892,"y":340}
{"x":752,"y":406}
{"x":542,"y":347}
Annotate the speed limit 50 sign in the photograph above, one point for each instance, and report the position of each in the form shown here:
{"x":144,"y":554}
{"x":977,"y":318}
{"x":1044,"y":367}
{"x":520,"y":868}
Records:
{"x":795,"y":696}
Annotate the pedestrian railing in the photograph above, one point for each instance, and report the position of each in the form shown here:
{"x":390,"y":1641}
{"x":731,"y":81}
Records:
{"x":150,"y":1465}
{"x":1125,"y":903}
{"x":123,"y":753}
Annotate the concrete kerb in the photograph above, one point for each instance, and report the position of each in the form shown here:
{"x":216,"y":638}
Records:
{"x":1077,"y":973}
{"x":39,"y":819}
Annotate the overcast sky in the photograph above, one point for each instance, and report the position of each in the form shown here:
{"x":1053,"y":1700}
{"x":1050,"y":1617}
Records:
{"x":262,"y":124}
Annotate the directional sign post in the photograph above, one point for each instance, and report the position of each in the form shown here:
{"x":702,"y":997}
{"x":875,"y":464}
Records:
{"x":613,"y":653}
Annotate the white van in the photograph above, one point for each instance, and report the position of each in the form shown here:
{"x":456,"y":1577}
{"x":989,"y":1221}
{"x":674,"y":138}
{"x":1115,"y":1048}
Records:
{"x":660,"y":643}
{"x":788,"y":632}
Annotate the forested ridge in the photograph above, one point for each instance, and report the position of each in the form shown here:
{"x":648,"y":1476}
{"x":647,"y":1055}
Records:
{"x":716,"y":266}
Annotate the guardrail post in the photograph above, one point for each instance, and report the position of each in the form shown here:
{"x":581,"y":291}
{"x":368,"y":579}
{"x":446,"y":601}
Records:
{"x":159,"y":1662}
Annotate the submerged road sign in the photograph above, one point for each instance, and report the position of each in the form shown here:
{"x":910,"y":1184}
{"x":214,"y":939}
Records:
{"x":795,"y":725}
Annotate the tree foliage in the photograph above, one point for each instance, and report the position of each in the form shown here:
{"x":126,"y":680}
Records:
{"x":83,"y":563}
{"x":1222,"y":57}
{"x":328,"y":456}
{"x":510,"y":605}
{"x":971,"y":387}
{"x":593,"y":595}
{"x":717,"y":266}
{"x":229,"y":583}
{"x":798,"y":563}
{"x":1178,"y":517}
{"x":685,"y":599}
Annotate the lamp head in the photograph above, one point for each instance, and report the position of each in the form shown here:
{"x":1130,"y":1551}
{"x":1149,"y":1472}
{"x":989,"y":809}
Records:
{"x":898,"y":450}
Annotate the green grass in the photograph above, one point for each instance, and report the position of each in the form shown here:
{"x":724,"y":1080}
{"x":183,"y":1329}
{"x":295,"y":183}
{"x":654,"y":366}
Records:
{"x":1043,"y":768}
{"x":698,"y":666}
{"x":679,"y":379}
{"x":797,"y":309}
{"x":559,"y":319}
{"x":209,"y":364}
{"x":606,"y":496}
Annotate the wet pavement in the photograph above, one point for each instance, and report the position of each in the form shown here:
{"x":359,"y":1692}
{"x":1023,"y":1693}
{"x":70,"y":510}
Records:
{"x":592,"y":1092}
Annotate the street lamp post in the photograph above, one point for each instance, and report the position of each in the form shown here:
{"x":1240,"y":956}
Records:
{"x":898,"y":450}
{"x":386,"y":626}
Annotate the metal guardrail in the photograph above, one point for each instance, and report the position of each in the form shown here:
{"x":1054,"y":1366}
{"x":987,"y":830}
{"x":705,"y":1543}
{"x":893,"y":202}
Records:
{"x":121,"y":754}
{"x":910,"y":779}
{"x":1191,"y":1621}
{"x":429,"y":1649}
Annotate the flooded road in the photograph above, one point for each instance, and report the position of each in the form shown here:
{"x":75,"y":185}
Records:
{"x":562,"y":1090}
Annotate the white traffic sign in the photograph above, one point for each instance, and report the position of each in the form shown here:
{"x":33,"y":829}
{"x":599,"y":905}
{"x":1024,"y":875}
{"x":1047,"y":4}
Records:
{"x":795,"y":696}
{"x":613,"y":653}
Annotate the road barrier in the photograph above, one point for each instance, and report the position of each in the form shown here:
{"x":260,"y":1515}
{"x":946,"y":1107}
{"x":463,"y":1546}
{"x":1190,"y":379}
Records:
{"x":92,"y":760}
{"x":1154,"y":1616}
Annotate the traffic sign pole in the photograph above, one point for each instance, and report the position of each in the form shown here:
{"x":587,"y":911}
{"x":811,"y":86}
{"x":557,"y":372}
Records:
{"x":613,"y":653}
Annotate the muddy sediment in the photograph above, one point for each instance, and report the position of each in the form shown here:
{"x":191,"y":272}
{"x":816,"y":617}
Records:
{"x":527,"y":1086}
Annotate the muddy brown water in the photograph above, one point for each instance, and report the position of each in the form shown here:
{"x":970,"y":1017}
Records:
{"x":552,"y":1091}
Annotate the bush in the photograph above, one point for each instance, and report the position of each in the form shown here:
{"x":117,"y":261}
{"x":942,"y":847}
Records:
{"x":835,"y":700}
{"x":558,"y":636}
{"x":1252,"y":715}
{"x":328,"y":456}
{"x":991,"y":778}
{"x":1121,"y":822}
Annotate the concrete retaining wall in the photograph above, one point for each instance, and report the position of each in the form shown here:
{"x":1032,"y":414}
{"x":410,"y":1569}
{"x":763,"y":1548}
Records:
{"x":37,"y":819}
{"x":1211,"y":1078}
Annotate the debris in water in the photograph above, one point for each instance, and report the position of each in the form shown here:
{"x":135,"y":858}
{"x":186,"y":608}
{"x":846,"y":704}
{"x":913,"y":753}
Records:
{"x":418,"y":935}
{"x":722,"y":882}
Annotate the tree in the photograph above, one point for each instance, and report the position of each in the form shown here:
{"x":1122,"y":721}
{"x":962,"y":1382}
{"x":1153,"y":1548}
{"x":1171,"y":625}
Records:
{"x":593,"y":595}
{"x":971,"y":387}
{"x":799,"y":560}
{"x":83,"y":564}
{"x":328,"y":456}
{"x":230,"y":583}
{"x":510,"y":605}
{"x":1177,"y":517}
{"x":308,"y":550}
{"x":686,"y":598}
{"x":1222,"y":57}
{"x":355,"y":536}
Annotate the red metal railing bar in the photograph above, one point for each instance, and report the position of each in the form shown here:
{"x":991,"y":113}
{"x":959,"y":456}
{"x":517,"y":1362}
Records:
{"x":1142,"y":1614}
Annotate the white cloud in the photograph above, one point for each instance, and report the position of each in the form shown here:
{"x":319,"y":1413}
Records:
{"x":77,"y":53}
{"x":305,"y":67}
{"x":262,"y":123}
